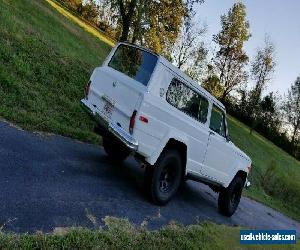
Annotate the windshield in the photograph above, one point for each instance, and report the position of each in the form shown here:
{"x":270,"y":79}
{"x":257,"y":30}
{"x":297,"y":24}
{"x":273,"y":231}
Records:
{"x":134,"y":62}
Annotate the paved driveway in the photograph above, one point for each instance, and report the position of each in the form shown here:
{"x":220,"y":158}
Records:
{"x":52,"y":181}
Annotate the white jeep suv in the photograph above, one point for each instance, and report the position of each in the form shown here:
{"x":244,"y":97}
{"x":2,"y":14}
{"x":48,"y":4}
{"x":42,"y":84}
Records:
{"x":144,"y":105}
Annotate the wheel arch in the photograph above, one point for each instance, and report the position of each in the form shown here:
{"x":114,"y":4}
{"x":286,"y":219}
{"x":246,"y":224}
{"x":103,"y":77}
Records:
{"x":182,"y":149}
{"x":172,"y":143}
{"x":241,"y":173}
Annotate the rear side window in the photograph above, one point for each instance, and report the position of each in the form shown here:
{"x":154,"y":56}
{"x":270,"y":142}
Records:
{"x":134,"y":62}
{"x":217,"y":121}
{"x":187,"y":100}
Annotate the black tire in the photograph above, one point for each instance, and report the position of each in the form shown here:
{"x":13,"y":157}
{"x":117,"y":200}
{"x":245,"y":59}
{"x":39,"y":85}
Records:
{"x":163,"y":179}
{"x":115,"y":150}
{"x":229,"y":198}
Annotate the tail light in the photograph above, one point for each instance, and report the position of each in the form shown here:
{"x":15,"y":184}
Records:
{"x":87,"y":88}
{"x":132,"y":121}
{"x":143,"y":119}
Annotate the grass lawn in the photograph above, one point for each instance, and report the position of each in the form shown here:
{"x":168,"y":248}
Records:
{"x":45,"y":61}
{"x":119,"y":234}
{"x":275,"y":175}
{"x":47,"y":56}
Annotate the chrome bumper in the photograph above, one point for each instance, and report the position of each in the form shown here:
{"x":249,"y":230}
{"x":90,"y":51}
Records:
{"x":114,"y":129}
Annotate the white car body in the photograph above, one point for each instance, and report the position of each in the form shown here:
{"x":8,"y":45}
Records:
{"x":113,"y":96}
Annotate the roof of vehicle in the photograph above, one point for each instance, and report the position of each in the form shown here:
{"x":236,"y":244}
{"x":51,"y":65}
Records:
{"x":181,"y":74}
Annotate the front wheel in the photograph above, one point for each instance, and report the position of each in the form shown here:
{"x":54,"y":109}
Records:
{"x":163,"y":179}
{"x":115,"y":150}
{"x":229,"y":198}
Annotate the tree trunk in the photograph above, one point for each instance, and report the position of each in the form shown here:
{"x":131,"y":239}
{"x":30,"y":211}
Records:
{"x":224,"y":95}
{"x":125,"y":30}
{"x":126,"y":18}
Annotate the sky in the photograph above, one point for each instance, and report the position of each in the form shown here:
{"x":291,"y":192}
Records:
{"x":279,"y":19}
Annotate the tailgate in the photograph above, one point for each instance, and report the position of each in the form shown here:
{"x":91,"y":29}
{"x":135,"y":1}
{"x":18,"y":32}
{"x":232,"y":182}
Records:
{"x":114,"y":95}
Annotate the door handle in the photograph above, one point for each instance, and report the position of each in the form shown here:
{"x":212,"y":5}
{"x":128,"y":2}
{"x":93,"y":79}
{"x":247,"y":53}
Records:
{"x":211,"y":133}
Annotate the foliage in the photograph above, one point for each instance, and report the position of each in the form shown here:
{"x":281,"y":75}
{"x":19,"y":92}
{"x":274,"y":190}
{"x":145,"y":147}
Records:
{"x":212,"y":82}
{"x":189,"y":53}
{"x":107,"y":18}
{"x":270,"y":113}
{"x":268,"y":176}
{"x":87,"y":9}
{"x":151,"y":23}
{"x":120,"y":234}
{"x":262,"y":68}
{"x":291,"y":108}
{"x":75,"y":5}
{"x":230,"y":59}
{"x":163,"y":24}
{"x":90,"y":11}
{"x":269,"y":120}
{"x":78,"y":20}
{"x":268,"y":161}
{"x":126,"y":10}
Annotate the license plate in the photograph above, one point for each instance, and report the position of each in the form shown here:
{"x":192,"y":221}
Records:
{"x":107,"y":110}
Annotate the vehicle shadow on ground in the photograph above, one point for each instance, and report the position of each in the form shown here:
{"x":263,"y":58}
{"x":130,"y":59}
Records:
{"x":131,"y":175}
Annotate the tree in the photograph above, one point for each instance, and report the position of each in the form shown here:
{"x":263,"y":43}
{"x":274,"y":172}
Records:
{"x":75,"y":5}
{"x":90,"y":11}
{"x":162,"y":24}
{"x":189,"y":50}
{"x":151,"y":23}
{"x":270,"y":115}
{"x":291,"y":108}
{"x":262,"y":68}
{"x":230,"y":58}
{"x":126,"y":9}
{"x":212,"y":82}
{"x":166,"y":21}
{"x":107,"y":18}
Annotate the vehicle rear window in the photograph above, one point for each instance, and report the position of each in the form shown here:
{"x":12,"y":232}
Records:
{"x":187,"y":100}
{"x":134,"y":62}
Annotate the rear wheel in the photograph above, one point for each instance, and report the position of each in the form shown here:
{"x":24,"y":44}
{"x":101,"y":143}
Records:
{"x":115,"y":150}
{"x":229,"y":198}
{"x":163,"y":179}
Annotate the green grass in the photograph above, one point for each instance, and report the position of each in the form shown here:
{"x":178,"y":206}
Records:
{"x":45,"y":61}
{"x":81,"y":23}
{"x":275,"y":175}
{"x":46,"y":57}
{"x":119,"y":234}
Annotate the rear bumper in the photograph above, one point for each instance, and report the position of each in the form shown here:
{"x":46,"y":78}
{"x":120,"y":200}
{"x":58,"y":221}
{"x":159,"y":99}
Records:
{"x":111,"y":127}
